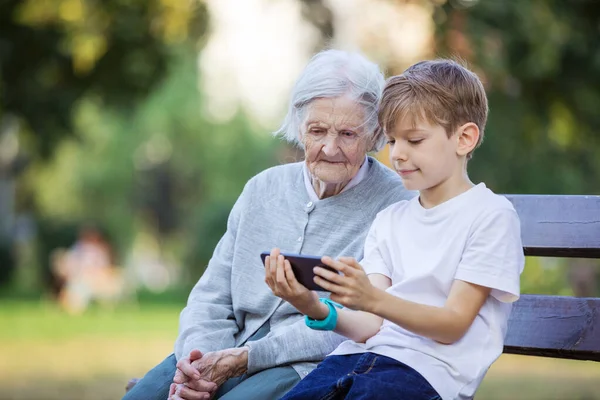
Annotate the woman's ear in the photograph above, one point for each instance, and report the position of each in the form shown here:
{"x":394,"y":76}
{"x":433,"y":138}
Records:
{"x":467,"y":137}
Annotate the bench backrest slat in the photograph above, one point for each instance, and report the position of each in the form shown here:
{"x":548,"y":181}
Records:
{"x":557,"y":326}
{"x":559,"y":226}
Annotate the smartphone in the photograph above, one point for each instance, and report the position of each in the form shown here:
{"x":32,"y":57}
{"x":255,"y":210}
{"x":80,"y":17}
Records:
{"x":303,"y":265}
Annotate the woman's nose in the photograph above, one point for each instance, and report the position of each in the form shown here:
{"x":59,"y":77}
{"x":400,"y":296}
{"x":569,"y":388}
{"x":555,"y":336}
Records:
{"x":330,"y":146}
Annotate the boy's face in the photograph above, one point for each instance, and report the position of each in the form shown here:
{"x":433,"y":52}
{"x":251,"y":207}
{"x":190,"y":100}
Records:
{"x":423,"y":154}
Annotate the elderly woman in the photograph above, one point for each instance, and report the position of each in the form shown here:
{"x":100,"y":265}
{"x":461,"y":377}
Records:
{"x":236,"y":339}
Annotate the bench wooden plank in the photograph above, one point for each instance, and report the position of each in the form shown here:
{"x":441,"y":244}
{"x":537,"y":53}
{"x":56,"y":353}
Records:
{"x":555,"y":326}
{"x":558,"y":225}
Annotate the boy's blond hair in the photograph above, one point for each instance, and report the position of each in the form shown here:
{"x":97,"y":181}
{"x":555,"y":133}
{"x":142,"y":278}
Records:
{"x":440,"y":92}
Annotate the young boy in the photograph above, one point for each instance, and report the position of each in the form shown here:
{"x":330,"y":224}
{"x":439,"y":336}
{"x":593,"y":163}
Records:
{"x":426,"y":311}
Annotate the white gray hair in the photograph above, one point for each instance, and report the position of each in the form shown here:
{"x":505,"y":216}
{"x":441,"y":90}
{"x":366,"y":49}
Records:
{"x":335,"y":73}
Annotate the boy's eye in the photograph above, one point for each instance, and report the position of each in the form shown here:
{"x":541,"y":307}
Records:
{"x":415,"y":141}
{"x":391,"y":141}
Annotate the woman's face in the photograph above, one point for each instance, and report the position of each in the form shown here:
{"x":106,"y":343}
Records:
{"x":335,"y":143}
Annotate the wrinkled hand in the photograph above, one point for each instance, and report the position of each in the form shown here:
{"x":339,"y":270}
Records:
{"x":180,"y":391}
{"x":219,"y":366}
{"x":188,"y":383}
{"x":352,"y":288}
{"x":280,"y":278}
{"x":213,"y":368}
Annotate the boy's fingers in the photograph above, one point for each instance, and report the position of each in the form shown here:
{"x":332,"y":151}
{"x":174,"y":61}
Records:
{"x":268,"y":277}
{"x":273,"y":263}
{"x":351,"y":261}
{"x":330,"y":262}
{"x":328,"y":275}
{"x":274,"y":252}
{"x":281,"y":278}
{"x":327,"y":285}
{"x":289,"y":274}
{"x":337,"y":265}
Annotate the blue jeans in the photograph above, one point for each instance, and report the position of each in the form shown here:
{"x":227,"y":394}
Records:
{"x":268,"y":384}
{"x":363,"y":376}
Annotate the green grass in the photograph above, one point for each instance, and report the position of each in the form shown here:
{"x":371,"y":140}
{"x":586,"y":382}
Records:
{"x":42,"y":320}
{"x":49,"y":355}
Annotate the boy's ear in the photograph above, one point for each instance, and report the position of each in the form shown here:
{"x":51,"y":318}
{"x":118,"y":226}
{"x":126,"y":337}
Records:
{"x":467,"y":137}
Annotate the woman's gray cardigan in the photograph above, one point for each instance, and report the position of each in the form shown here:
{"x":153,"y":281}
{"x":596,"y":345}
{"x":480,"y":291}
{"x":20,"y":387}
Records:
{"x":231,"y":301}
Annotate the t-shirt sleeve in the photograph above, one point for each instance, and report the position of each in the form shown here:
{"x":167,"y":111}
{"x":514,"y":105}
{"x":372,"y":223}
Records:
{"x":373,"y":261}
{"x":493,"y":256}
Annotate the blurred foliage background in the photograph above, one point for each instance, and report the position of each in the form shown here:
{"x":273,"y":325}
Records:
{"x":144,"y":119}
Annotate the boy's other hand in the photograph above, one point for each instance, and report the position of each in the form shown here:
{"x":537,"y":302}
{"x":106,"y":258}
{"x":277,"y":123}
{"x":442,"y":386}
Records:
{"x":282,"y":281}
{"x":352,"y":289}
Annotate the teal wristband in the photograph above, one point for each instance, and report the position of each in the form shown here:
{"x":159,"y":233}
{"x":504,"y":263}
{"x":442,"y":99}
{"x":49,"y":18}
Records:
{"x":327,"y":324}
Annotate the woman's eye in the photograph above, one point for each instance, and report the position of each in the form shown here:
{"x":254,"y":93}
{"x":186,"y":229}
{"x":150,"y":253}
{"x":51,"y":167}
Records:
{"x":317,"y":131}
{"x":347,"y":134}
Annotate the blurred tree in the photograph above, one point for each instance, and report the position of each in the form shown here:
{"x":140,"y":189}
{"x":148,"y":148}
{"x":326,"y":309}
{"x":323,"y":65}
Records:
{"x":540,"y":61}
{"x":165,"y":167}
{"x":53,"y":52}
{"x":56,"y":53}
{"x":7,"y":262}
{"x":319,"y":14}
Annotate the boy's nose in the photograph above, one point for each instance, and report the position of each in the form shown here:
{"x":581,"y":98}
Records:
{"x":399,"y":153}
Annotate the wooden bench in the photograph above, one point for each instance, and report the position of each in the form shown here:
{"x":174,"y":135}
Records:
{"x":557,"y":326}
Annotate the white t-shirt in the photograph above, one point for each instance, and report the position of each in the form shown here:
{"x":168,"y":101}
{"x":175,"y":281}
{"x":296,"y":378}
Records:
{"x":360,"y":175}
{"x":474,"y":237}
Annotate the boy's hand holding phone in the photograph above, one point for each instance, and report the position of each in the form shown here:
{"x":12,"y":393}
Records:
{"x":347,"y":282}
{"x":280,"y":278}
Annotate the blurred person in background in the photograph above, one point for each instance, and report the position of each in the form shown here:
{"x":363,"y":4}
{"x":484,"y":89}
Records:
{"x":236,"y":339}
{"x":86,"y":272}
